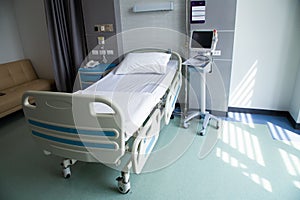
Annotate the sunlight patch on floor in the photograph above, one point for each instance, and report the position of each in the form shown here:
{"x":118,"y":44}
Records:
{"x":286,"y":136}
{"x":297,"y":184}
{"x":291,"y":162}
{"x":243,"y":141}
{"x":245,"y":118}
{"x":292,"y":165}
{"x":260,"y":181}
{"x":234,"y":162}
{"x":248,"y":146}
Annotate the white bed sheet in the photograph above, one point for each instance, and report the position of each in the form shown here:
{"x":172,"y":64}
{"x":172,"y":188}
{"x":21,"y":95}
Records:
{"x":136,"y":94}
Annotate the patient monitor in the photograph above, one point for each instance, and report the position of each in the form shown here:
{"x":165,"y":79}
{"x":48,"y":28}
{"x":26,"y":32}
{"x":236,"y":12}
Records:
{"x":203,"y":42}
{"x":201,"y":46}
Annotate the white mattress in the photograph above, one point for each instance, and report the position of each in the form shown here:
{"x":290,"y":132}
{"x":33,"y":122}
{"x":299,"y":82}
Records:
{"x":136,"y":94}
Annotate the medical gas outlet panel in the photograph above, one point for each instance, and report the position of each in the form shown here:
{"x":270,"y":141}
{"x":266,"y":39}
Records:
{"x":102,"y":25}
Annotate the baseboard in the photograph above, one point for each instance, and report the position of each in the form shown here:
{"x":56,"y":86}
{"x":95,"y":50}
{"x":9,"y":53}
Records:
{"x":267,"y":112}
{"x":258,"y":111}
{"x":293,"y":122}
{"x":218,"y":113}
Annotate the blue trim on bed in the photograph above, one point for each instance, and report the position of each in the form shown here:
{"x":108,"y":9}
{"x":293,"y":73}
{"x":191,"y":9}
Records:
{"x":175,"y":98}
{"x":73,"y":142}
{"x":72,"y":130}
{"x":150,"y":145}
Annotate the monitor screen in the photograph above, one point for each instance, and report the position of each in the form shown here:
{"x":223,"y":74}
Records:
{"x":201,"y":39}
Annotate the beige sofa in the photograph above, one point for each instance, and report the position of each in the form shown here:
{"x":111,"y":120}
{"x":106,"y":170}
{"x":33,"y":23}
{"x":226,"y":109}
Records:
{"x":16,"y":78}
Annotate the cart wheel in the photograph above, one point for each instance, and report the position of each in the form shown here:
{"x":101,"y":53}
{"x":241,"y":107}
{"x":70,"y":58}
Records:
{"x":185,"y":124}
{"x":66,"y":172}
{"x":202,"y":132}
{"x":123,"y":188}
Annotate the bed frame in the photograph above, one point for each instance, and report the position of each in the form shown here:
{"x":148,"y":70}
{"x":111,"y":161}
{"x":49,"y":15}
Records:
{"x":66,"y":125}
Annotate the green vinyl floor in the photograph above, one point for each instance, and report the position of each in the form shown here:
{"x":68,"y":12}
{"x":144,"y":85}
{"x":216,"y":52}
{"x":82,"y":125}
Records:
{"x":241,"y":160}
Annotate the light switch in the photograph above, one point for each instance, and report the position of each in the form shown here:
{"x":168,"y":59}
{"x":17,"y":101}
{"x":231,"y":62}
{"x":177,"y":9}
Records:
{"x":102,"y":28}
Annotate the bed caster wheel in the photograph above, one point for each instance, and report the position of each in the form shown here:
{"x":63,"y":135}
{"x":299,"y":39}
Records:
{"x":202,"y":132}
{"x":123,"y":187}
{"x":66,"y":167}
{"x":185,"y":125}
{"x":67,"y":172}
{"x":217,"y":125}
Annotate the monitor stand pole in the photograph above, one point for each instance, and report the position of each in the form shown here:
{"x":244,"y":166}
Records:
{"x":203,"y":113}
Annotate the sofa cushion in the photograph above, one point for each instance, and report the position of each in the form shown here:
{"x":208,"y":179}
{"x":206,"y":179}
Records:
{"x":10,"y":100}
{"x":16,"y":73}
{"x":38,"y":84}
{"x":13,"y":95}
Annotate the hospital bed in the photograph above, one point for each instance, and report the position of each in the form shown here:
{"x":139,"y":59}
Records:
{"x":116,"y":121}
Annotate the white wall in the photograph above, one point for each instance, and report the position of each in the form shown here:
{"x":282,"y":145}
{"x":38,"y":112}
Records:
{"x":30,"y":15}
{"x":266,"y":54}
{"x":295,"y":101}
{"x":167,"y":27}
{"x":11,"y":47}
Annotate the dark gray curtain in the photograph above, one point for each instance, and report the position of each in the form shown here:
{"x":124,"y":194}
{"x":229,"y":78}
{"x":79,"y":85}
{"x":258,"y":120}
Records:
{"x":67,"y":40}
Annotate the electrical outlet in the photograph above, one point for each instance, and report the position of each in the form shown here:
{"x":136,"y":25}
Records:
{"x":109,"y":27}
{"x":95,"y":52}
{"x":102,"y":52}
{"x":96,"y":28}
{"x":217,"y":53}
{"x":110,"y":52}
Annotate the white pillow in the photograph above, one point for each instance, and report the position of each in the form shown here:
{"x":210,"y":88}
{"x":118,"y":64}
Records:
{"x":144,"y":63}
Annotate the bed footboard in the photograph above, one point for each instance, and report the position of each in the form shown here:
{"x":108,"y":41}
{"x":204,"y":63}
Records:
{"x":66,"y":125}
